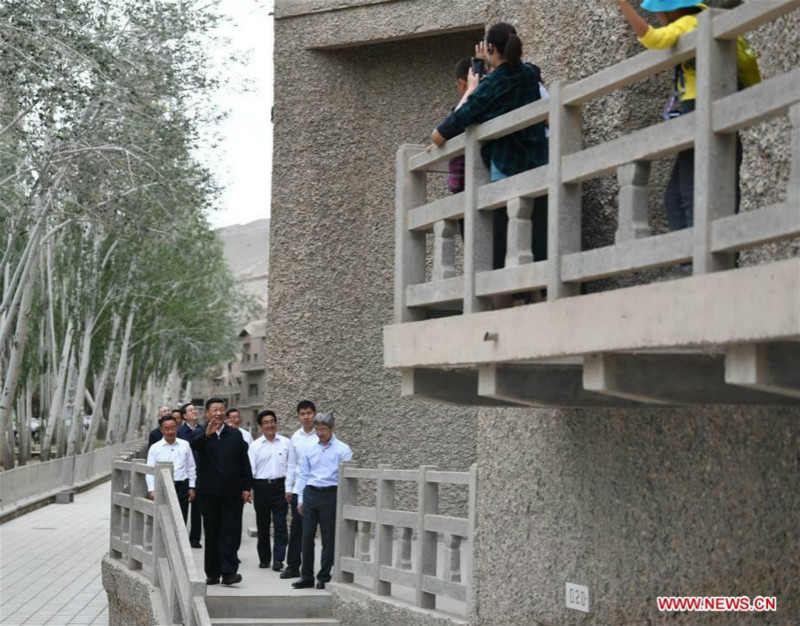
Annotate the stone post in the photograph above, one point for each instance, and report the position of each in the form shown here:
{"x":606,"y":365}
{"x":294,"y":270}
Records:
{"x":409,"y":255}
{"x":426,"y":540}
{"x":632,"y":222}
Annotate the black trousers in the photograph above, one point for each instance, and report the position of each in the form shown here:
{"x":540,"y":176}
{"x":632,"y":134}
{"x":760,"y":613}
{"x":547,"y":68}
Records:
{"x":295,"y":538}
{"x":196,"y":525}
{"x":222,"y":523}
{"x":269,"y":500}
{"x":679,"y":196}
{"x":182,"y":489}
{"x":319,"y":508}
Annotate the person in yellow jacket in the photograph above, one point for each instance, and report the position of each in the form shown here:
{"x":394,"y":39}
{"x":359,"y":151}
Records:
{"x":679,"y":17}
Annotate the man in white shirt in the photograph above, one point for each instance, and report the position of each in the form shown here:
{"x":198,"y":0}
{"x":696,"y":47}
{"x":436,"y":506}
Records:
{"x":170,"y":449}
{"x":318,"y":475}
{"x":234,"y":420}
{"x":269,"y":455}
{"x":303,"y":435}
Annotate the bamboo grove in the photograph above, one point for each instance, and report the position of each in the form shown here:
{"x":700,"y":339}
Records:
{"x":114,"y":287}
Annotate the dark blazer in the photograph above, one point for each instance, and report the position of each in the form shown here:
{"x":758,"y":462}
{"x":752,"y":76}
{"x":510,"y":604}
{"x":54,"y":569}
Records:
{"x":223,"y":467}
{"x":155,"y":435}
{"x":187,"y":432}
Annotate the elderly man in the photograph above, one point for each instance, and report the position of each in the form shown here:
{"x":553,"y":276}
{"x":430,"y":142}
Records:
{"x":155,"y":434}
{"x":268,"y":457}
{"x":170,"y":449}
{"x":224,"y":484}
{"x":234,"y":420}
{"x":188,"y":430}
{"x":319,"y":479}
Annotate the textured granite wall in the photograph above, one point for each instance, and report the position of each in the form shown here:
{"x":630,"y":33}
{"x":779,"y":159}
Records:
{"x":647,"y":503}
{"x":340,"y":116}
{"x":634,"y":504}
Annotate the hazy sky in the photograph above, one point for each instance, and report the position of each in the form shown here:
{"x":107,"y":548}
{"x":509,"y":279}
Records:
{"x":243,"y":163}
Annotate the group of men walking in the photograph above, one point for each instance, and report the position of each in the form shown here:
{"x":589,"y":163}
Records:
{"x":221,"y":468}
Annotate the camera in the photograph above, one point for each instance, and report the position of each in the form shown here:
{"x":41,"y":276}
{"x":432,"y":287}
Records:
{"x":478,"y":68}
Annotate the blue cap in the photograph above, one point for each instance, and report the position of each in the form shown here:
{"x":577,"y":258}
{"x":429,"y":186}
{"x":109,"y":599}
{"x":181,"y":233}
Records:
{"x":658,"y":6}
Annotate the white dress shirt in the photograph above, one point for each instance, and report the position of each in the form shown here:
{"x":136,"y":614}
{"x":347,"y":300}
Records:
{"x":299,"y":439}
{"x":248,"y":438}
{"x":319,"y":465}
{"x":268,"y":459}
{"x":181,"y":457}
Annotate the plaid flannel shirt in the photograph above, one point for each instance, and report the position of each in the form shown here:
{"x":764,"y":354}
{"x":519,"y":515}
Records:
{"x":505,"y":89}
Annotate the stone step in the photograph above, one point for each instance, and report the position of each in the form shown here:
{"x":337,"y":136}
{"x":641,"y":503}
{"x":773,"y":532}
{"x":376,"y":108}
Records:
{"x":280,"y":607}
{"x":273,"y":621}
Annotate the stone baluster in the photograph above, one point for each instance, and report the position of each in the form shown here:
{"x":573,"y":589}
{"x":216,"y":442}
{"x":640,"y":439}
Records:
{"x":518,"y":249}
{"x":444,"y":249}
{"x":364,"y":532}
{"x":384,"y":533}
{"x":404,"y":554}
{"x":453,"y":556}
{"x":632,"y":222}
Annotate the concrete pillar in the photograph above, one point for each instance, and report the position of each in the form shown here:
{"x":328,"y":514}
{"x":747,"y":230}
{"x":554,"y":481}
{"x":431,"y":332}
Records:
{"x":477,"y":225}
{"x":409,"y":255}
{"x":518,"y":246}
{"x":564,"y":200}
{"x":428,"y":502}
{"x":444,"y":250}
{"x":714,"y":153}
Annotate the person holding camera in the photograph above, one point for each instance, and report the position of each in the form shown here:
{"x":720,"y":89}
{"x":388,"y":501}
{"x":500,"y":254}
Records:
{"x":509,"y":85}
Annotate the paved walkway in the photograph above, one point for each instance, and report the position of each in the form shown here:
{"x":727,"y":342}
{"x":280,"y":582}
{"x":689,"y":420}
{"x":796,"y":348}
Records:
{"x":50,"y":563}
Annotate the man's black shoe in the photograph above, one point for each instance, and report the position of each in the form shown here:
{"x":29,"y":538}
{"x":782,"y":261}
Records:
{"x":302,"y":584}
{"x":290,"y":573}
{"x":212,"y":580}
{"x":263,"y":565}
{"x":196,"y":544}
{"x":277,"y":566}
{"x":232,"y":579}
{"x":320,"y":584}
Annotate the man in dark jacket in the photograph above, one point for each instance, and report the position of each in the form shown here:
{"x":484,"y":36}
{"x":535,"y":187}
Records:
{"x":224,"y":481}
{"x":155,"y":434}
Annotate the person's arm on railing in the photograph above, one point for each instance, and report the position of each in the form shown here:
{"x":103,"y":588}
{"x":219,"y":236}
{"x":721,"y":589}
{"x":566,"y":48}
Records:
{"x":469,"y":112}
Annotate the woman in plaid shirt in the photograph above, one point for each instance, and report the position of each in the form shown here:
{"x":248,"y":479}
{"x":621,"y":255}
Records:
{"x":510,"y":85}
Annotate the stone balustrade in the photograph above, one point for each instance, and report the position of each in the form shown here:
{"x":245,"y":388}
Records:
{"x":385,"y":547}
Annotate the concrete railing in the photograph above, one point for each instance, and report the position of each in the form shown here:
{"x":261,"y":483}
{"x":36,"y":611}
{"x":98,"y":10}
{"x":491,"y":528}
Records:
{"x":150,"y":535}
{"x":718,"y":232}
{"x":367,"y":546}
{"x":26,"y":485}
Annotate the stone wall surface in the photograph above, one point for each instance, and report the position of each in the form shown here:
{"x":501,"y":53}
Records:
{"x":340,"y":116}
{"x":635,"y":504}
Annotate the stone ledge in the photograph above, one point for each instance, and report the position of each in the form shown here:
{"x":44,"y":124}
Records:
{"x":352,"y":24}
{"x":356,"y":607}
{"x":132,"y":598}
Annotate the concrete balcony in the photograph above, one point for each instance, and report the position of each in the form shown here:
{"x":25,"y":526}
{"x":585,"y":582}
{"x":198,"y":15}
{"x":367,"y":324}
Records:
{"x":720,"y":335}
{"x":253,"y":366}
{"x":249,"y":401}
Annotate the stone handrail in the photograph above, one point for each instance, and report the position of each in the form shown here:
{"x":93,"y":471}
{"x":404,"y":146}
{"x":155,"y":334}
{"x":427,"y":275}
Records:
{"x":150,"y":535}
{"x":718,"y":232}
{"x":355,"y":525}
{"x":29,"y":484}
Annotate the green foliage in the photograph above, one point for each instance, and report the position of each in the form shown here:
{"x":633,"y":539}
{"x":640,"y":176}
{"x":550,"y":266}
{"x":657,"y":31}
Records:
{"x":101,"y":106}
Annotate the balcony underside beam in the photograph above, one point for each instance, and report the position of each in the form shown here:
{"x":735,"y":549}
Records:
{"x":448,"y":386}
{"x":671,"y":379}
{"x":771,"y":367}
{"x":542,"y":386}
